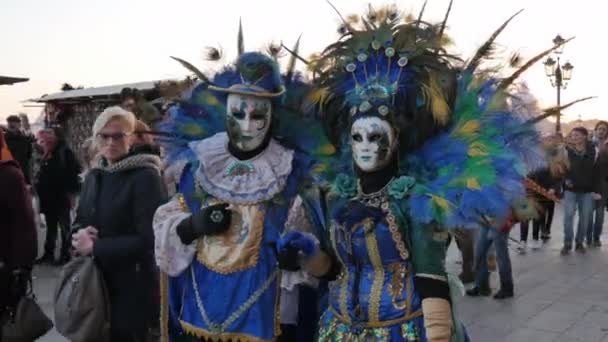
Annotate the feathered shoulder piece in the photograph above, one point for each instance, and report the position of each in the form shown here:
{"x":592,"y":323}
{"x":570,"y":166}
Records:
{"x":476,"y":168}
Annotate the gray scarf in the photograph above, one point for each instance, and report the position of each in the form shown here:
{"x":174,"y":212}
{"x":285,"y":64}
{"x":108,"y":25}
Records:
{"x":132,"y":162}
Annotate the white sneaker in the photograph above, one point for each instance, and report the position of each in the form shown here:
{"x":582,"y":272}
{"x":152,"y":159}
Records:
{"x":536,"y":244}
{"x":523,"y":247}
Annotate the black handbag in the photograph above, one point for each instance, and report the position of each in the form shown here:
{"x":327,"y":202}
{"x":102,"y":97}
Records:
{"x":26,"y":321}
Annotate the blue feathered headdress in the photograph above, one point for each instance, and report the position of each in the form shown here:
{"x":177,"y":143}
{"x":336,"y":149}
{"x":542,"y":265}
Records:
{"x":201,"y":110}
{"x":461,"y":136}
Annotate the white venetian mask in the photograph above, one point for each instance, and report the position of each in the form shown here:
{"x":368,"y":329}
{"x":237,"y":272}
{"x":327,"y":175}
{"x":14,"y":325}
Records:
{"x":373,"y":143}
{"x":247,"y":120}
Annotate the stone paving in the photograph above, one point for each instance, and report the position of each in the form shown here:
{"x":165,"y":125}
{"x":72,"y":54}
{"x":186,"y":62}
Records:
{"x":557,"y":298}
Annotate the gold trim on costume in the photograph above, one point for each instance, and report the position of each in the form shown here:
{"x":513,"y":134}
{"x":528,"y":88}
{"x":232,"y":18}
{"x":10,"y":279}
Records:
{"x":182,"y":203}
{"x":378,"y":284}
{"x":395,"y":233}
{"x":208,"y":336}
{"x":344,"y":275}
{"x":344,"y":294}
{"x":238,"y":248}
{"x":395,"y":288}
{"x":164,"y":307}
{"x":378,"y":324}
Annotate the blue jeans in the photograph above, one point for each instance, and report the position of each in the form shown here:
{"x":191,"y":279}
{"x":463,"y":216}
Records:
{"x":487,"y":235}
{"x":596,"y":221}
{"x":584,"y":203}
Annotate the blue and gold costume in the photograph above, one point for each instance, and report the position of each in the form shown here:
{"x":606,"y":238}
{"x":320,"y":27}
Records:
{"x":375,"y":292}
{"x":233,"y":282}
{"x":228,"y":285}
{"x":462,"y":152}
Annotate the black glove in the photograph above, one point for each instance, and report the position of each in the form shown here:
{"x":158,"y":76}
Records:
{"x":288,"y":259}
{"x":212,"y":220}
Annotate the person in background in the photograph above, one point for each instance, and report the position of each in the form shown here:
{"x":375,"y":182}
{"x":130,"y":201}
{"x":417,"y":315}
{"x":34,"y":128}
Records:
{"x":549,"y":178}
{"x":128,"y":100}
{"x":490,"y":234}
{"x":552,"y":179}
{"x":117,"y":203}
{"x":465,"y":241}
{"x":142,"y":141}
{"x":57,"y":185}
{"x":25,"y":125}
{"x":89,"y":156}
{"x":596,"y":221}
{"x":132,"y":100}
{"x":581,"y":188}
{"x":18,"y":241}
{"x":20,"y":144}
{"x":524,"y":227}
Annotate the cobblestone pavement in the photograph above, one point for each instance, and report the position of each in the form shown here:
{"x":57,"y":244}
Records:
{"x":557,"y":298}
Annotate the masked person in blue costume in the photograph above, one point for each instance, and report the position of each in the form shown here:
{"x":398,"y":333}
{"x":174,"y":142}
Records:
{"x":241,"y":187}
{"x":426,"y":145}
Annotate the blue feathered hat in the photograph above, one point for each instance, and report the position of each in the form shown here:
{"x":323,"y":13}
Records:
{"x":253,"y":74}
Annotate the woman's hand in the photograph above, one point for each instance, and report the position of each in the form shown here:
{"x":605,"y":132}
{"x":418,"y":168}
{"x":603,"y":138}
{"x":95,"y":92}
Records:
{"x":84,"y":240}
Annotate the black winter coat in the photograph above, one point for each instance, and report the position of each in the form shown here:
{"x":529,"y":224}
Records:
{"x":583,"y":176}
{"x":57,"y":179}
{"x":22,"y":148}
{"x":120,"y":202}
{"x":17,"y":231}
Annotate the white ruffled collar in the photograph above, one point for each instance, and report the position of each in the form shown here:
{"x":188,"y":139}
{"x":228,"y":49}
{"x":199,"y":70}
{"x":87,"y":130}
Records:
{"x":241,"y":181}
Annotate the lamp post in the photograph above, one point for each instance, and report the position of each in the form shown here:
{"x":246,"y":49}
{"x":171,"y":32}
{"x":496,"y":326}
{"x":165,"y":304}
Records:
{"x":558,"y":74}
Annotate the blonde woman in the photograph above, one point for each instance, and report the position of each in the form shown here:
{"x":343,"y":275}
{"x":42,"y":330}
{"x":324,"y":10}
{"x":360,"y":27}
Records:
{"x":118,"y":201}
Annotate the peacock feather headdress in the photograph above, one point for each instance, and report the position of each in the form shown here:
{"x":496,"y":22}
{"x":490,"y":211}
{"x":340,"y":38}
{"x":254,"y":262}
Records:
{"x":463,"y":133}
{"x":390,"y":66}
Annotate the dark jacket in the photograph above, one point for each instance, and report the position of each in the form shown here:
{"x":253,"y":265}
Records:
{"x":57,"y":179}
{"x":21,"y":147}
{"x":120,"y":201}
{"x":602,"y":171}
{"x":18,"y":241}
{"x":582,"y":177}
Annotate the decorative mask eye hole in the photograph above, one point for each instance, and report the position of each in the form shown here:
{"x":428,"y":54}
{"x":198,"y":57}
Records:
{"x":357,"y":137}
{"x":375,"y":137}
{"x":239,"y":115}
{"x":258,"y":117}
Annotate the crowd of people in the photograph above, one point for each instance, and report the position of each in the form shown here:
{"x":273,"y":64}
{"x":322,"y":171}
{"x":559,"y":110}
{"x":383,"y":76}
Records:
{"x":121,"y":169}
{"x":259,"y":224}
{"x":576,"y":175}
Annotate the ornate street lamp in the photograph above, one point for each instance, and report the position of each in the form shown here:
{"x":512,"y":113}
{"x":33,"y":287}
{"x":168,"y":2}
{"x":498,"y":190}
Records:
{"x":558,"y":75}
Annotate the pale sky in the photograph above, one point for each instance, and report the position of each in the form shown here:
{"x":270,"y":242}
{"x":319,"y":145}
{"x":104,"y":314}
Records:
{"x":96,"y":43}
